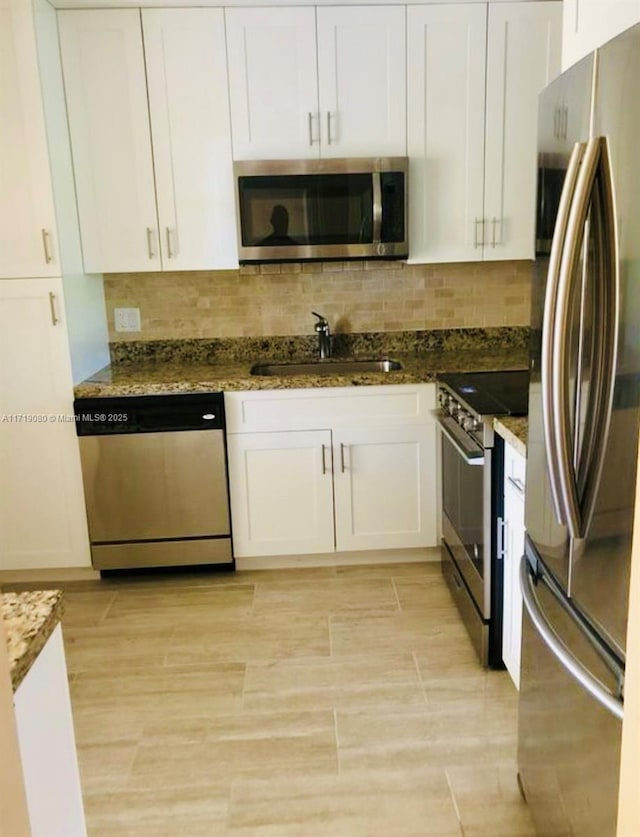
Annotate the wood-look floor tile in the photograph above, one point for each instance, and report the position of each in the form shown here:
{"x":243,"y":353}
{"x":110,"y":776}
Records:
{"x":412,"y":737}
{"x":164,"y":691}
{"x":332,"y":596}
{"x":367,"y":804}
{"x":86,"y":611}
{"x":407,"y":568}
{"x":340,"y":682}
{"x":450,"y":654}
{"x":385,"y":633}
{"x":238,"y":745}
{"x":422,"y":593}
{"x":187,"y":605}
{"x":489,"y":802}
{"x":102,"y":648}
{"x":185,"y":811}
{"x":105,"y":765}
{"x":253,"y":638}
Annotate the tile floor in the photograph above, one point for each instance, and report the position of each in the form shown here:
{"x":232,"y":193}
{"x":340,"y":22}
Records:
{"x":338,"y":702}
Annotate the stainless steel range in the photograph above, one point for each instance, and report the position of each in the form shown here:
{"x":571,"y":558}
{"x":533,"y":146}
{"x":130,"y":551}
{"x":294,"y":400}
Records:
{"x":472,"y":469}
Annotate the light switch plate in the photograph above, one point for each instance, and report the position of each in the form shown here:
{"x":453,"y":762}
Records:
{"x":127,"y":319}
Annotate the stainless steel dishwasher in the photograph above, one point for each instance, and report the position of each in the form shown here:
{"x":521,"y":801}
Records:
{"x":155,"y":480}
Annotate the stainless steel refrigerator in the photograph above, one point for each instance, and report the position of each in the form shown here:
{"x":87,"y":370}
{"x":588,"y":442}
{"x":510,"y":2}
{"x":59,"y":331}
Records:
{"x":583,"y":443}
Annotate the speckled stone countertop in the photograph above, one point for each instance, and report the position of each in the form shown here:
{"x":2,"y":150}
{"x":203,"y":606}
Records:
{"x":168,"y":367}
{"x":30,"y":619}
{"x":513,"y":430}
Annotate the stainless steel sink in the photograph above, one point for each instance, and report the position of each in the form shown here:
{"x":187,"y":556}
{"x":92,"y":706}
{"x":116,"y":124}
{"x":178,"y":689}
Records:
{"x":326,"y":367}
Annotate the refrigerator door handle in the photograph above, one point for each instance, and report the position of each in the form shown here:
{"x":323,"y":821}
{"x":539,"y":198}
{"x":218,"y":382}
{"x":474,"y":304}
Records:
{"x":560,"y":651}
{"x":550,"y":303}
{"x":607,"y":309}
{"x":560,"y":410}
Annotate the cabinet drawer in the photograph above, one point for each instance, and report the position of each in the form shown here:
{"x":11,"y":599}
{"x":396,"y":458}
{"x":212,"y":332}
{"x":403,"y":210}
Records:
{"x":308,"y":409}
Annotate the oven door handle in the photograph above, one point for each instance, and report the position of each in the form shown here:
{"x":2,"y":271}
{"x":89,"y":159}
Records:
{"x":471,"y":453}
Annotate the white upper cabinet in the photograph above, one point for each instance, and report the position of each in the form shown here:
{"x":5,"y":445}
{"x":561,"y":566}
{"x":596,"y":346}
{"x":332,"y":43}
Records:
{"x":273,"y":82}
{"x":301,"y":90}
{"x":587,"y":24}
{"x":189,"y":105}
{"x":28,"y":240}
{"x":106,"y":78}
{"x":523,"y":56}
{"x":362,"y":81}
{"x":473,"y":154}
{"x":446,"y":89}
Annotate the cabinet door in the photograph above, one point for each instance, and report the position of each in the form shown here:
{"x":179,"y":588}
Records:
{"x":362,"y":81}
{"x":42,"y":515}
{"x":523,"y":56}
{"x":446,"y":52}
{"x":273,"y":85}
{"x":587,"y":24}
{"x":48,"y":746}
{"x":189,"y":106}
{"x":385,"y":487}
{"x":281,"y":493}
{"x":28,"y":243}
{"x":513,"y":549}
{"x":104,"y":78}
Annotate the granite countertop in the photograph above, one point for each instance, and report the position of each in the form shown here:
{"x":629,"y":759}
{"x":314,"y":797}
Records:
{"x":30,"y":618}
{"x":207,"y":366}
{"x":513,"y":430}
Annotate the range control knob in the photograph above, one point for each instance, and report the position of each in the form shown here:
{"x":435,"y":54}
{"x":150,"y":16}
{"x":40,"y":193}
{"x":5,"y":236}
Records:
{"x":469,"y":423}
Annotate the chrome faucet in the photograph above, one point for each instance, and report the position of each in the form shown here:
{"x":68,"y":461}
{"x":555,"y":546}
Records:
{"x":324,"y":336}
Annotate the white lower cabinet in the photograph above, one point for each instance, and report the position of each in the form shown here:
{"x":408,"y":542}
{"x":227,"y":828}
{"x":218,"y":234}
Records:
{"x":281,"y":492}
{"x":513,"y":549}
{"x":345,"y":487}
{"x":47,"y":745}
{"x":384,"y":487}
{"x":42,"y":513}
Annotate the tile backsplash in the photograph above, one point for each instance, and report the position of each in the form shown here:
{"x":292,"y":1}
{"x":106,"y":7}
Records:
{"x":277,"y":299}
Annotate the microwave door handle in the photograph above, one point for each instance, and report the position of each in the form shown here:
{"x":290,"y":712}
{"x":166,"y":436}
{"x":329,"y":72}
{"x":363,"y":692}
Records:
{"x":607,"y":311}
{"x":377,"y":207}
{"x":553,"y":280}
{"x":561,"y":418}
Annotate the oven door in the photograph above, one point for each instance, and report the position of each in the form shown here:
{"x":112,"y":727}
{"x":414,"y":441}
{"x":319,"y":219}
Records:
{"x":466,"y":509}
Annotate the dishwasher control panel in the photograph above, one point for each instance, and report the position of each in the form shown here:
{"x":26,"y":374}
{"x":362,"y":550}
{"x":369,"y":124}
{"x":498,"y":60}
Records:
{"x":149,"y":413}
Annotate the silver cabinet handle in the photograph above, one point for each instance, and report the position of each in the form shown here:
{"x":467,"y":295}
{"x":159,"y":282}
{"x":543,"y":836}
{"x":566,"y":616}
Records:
{"x":478,"y":242}
{"x":310,"y":126}
{"x":169,"y":249}
{"x":560,"y":651}
{"x":565,"y":121}
{"x":150,"y":243}
{"x":500,"y":537}
{"x":517,"y":484}
{"x":52,"y":308}
{"x":494,"y":221}
{"x":328,"y":127}
{"x":46,"y":246}
{"x":342,"y":466}
{"x":324,"y":464}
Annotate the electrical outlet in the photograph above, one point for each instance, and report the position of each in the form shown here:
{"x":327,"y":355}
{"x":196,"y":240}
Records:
{"x":127,"y":319}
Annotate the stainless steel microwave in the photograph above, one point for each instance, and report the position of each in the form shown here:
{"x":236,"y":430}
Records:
{"x":297,"y":210}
